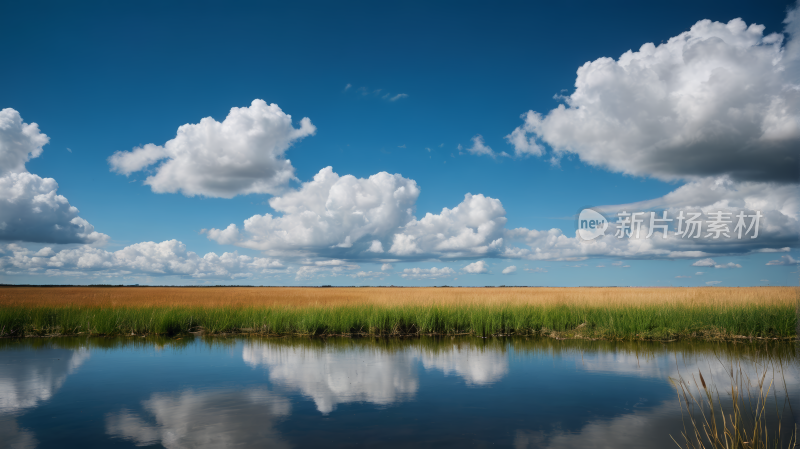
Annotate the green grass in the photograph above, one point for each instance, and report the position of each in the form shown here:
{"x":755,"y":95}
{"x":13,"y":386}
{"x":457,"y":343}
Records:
{"x":657,"y":323}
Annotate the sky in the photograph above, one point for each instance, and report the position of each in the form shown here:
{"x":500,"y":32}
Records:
{"x":406,"y":143}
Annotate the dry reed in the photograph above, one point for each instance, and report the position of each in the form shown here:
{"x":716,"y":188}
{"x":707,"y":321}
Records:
{"x":295,"y":297}
{"x":744,"y":422}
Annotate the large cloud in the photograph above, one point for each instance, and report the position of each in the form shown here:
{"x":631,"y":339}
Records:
{"x":719,"y":99}
{"x":30,"y":208}
{"x":243,"y":154}
{"x":168,"y":258}
{"x":330,"y":215}
{"x":348,"y":217}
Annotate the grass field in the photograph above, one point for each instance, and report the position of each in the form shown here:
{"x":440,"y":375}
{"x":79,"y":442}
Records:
{"x":610,"y":313}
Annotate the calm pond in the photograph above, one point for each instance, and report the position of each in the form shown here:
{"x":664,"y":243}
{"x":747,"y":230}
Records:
{"x":215,"y":392}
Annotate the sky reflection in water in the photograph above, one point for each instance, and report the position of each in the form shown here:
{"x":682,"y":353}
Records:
{"x":254,"y":392}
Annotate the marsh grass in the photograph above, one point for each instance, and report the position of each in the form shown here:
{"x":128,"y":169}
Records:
{"x":643,"y":323}
{"x":607,"y":313}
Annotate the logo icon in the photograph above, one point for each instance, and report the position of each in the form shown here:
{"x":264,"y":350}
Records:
{"x":591,"y":224}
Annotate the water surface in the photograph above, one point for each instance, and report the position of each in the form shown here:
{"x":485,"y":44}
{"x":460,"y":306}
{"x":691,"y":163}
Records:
{"x":301,"y":392}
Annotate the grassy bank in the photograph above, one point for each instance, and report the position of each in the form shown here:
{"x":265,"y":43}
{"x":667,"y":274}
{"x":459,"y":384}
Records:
{"x":651,"y":322}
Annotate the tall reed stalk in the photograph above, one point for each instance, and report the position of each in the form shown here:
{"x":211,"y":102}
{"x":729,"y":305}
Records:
{"x":744,"y":424}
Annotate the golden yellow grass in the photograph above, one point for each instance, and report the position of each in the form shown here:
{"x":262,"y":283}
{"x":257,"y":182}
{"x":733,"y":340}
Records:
{"x":299,"y":297}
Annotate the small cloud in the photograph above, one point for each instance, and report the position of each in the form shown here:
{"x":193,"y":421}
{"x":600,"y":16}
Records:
{"x":428,"y":273}
{"x":375,"y":247}
{"x":728,"y":265}
{"x":429,"y":150}
{"x":616,"y":264}
{"x":713,"y":282}
{"x":375,"y":93}
{"x":386,"y":267}
{"x":69,"y":149}
{"x":368,"y":275}
{"x":578,"y":265}
{"x":509,"y":270}
{"x":765,"y":280}
{"x":536,"y":270}
{"x":709,"y":262}
{"x":600,"y":266}
{"x":401,"y":146}
{"x":699,"y":273}
{"x":398,"y":96}
{"x":479,"y":147}
{"x":785,"y":249}
{"x":479,"y":267}
{"x":441,"y":145}
{"x":626,"y":266}
{"x":784,"y":260}
{"x":682,"y":277}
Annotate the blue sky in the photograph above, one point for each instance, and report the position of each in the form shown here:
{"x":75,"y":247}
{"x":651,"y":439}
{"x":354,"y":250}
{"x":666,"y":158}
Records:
{"x":401,"y":88}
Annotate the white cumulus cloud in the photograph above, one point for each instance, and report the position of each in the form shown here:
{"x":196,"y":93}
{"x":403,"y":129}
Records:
{"x":330,"y":215}
{"x":509,"y":270}
{"x":479,"y":267}
{"x":719,"y":99}
{"x":30,"y":208}
{"x":243,"y":154}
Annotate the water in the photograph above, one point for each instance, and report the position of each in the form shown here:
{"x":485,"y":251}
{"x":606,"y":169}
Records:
{"x":429,"y":392}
